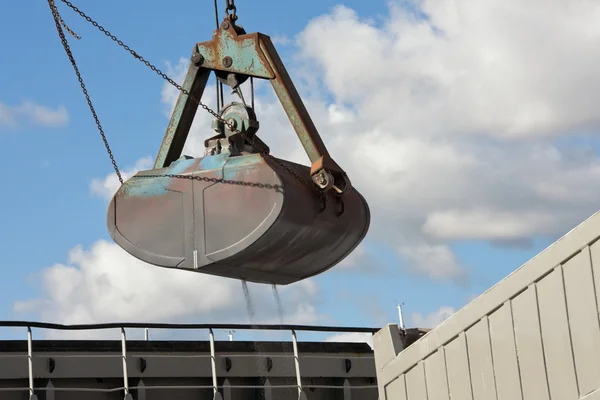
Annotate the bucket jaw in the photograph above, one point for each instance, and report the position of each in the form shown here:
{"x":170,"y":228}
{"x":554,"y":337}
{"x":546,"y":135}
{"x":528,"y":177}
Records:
{"x":238,"y":211}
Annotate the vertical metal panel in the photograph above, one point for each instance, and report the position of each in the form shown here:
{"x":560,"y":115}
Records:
{"x":480,"y":361}
{"x":543,"y":332}
{"x":508,"y":381}
{"x":459,"y":379}
{"x":267,"y":391}
{"x":347,"y":390}
{"x":416,"y":387}
{"x":50,"y":392}
{"x":583,"y":317}
{"x":396,"y":389}
{"x":595,"y":260}
{"x":529,"y":346}
{"x":435,"y":374}
{"x":556,"y":337}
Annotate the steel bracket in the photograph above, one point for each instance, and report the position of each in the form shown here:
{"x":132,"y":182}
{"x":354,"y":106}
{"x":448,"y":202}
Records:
{"x":234,"y":56}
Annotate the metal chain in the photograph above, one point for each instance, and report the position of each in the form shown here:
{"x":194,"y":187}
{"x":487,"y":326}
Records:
{"x":217,"y":180}
{"x":62,"y":22}
{"x":252,"y":141}
{"x":231,"y":7}
{"x":59,"y":21}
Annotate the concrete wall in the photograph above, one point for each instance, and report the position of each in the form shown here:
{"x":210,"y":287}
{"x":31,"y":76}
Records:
{"x":533,"y":336}
{"x":181,"y":370}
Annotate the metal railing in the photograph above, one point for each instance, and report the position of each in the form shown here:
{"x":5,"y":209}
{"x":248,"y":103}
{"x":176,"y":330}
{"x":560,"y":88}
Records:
{"x":126,"y":388}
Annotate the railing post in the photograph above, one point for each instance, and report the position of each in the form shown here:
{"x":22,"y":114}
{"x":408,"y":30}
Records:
{"x":347,"y":390}
{"x":213,"y":365}
{"x":128,"y":395}
{"x":49,"y":390}
{"x":32,"y":395}
{"x":301,"y":394}
{"x":146,"y":333}
{"x":268,"y":391}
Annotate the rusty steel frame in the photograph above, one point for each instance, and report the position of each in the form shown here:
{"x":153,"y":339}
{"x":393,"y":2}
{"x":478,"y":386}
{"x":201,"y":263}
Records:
{"x":252,"y":55}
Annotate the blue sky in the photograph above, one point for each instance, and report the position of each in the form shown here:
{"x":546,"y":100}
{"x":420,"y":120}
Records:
{"x":50,"y":162}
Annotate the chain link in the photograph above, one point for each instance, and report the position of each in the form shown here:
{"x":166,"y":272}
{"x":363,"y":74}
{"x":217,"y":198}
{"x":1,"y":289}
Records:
{"x":62,"y":22}
{"x":277,"y":188}
{"x":59,"y":21}
{"x":251,"y":140}
{"x":231,"y":7}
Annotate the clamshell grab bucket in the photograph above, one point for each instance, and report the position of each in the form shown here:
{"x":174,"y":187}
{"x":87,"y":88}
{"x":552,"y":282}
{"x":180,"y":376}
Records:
{"x":238,"y":229}
{"x":269,"y":220}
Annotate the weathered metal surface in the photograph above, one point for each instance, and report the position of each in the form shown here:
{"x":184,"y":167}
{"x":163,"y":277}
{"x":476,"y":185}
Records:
{"x":252,"y":233}
{"x":234,"y":57}
{"x":239,"y":231}
{"x":228,"y":51}
{"x":182,"y":117}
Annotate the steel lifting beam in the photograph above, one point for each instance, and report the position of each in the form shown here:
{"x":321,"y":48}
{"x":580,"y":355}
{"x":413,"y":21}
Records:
{"x":241,"y":55}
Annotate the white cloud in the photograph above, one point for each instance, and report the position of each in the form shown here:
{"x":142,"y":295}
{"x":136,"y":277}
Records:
{"x":29,"y":112}
{"x":108,"y":186}
{"x":487,"y":224}
{"x":432,"y":319}
{"x":435,"y":261}
{"x":351,"y":337}
{"x":105,"y":284}
{"x":6,"y":117}
{"x":466,"y":70}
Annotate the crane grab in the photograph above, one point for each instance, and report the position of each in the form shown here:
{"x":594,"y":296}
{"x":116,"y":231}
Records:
{"x":237,"y":211}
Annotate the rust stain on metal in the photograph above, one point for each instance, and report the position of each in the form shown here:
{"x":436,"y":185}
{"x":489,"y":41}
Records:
{"x":239,"y":49}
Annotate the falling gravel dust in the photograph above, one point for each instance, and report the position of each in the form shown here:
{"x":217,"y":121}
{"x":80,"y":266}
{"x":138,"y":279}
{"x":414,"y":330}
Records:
{"x":258,"y":346}
{"x":278,"y":302}
{"x":249,"y":305}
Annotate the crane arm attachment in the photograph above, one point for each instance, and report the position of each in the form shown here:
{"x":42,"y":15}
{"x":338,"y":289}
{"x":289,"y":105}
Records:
{"x":234,"y":56}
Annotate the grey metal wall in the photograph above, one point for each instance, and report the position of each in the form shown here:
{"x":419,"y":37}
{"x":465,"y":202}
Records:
{"x":181,"y":370}
{"x":533,"y":336}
